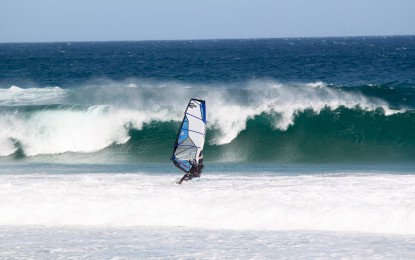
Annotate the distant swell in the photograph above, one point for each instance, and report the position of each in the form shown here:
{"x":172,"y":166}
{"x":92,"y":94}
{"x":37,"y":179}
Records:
{"x":255,"y":121}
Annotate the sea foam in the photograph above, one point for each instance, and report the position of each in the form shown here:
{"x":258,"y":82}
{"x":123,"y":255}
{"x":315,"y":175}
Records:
{"x":346,"y":203}
{"x":90,"y":118}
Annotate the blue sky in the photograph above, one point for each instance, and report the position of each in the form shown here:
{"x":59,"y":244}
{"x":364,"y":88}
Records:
{"x":110,"y":20}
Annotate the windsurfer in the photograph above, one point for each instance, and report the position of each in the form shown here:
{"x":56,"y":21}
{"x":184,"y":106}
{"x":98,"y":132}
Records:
{"x":194,"y":172}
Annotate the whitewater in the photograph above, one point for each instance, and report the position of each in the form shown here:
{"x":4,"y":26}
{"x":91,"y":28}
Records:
{"x":88,"y":165}
{"x":332,"y":202}
{"x":285,"y":213}
{"x":39,"y":121}
{"x":309,"y":149}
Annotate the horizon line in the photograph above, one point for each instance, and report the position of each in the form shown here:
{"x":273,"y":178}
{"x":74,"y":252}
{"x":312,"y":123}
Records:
{"x":214,"y":39}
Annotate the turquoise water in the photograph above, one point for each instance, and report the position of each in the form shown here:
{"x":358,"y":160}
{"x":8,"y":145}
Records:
{"x":309,"y":153}
{"x":274,"y":100}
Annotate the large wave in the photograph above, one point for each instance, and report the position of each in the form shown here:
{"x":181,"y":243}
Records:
{"x":256,"y":120}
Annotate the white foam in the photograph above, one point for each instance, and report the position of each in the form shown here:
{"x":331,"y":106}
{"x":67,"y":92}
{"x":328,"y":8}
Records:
{"x":7,"y":145}
{"x":369,"y":204}
{"x":116,"y":105}
{"x":230,"y":113}
{"x":57,"y":131}
{"x":318,"y":84}
{"x":16,"y":96}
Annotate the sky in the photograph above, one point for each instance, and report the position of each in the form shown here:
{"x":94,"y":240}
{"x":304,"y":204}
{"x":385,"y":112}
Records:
{"x":117,"y":20}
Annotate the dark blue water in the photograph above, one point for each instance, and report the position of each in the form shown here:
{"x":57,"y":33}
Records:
{"x":301,"y":100}
{"x":309,"y":150}
{"x":339,"y":61}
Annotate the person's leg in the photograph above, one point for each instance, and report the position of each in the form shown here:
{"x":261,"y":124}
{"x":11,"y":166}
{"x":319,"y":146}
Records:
{"x":185,"y":177}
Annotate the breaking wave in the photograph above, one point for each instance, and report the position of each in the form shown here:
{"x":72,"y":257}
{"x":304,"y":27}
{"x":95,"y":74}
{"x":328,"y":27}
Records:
{"x":256,"y":120}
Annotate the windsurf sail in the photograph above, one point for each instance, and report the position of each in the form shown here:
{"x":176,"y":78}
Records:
{"x":187,"y":152}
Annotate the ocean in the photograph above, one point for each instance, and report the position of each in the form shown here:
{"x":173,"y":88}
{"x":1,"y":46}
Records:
{"x":310,"y":149}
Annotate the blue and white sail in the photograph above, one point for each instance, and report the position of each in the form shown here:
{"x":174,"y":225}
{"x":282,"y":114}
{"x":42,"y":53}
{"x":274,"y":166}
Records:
{"x":191,"y":137}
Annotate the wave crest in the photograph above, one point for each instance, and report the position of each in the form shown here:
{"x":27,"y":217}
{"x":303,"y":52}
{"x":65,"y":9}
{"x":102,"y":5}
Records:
{"x":92,"y":117}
